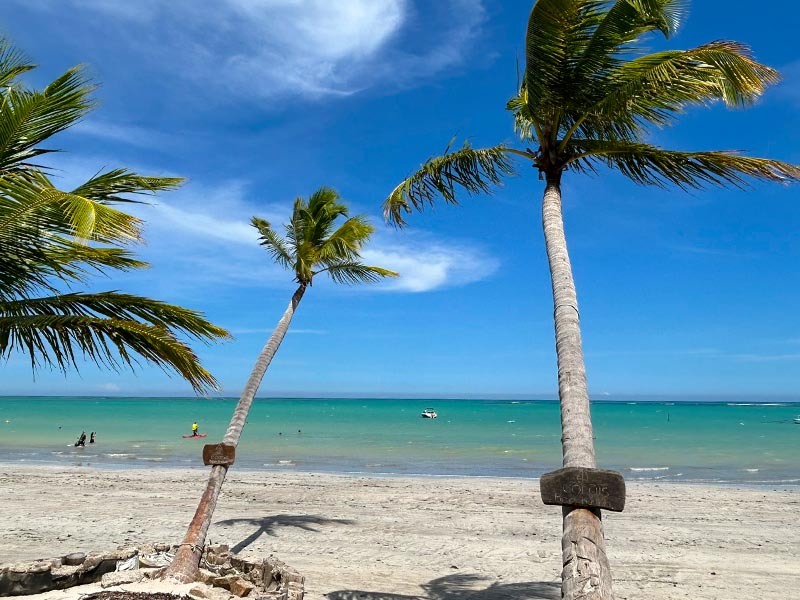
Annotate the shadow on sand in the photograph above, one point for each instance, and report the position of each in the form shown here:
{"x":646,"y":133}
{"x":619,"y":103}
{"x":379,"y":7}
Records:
{"x":268,"y":525}
{"x":462,"y":587}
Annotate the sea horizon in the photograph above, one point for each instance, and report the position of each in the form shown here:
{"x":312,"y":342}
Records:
{"x":748,"y":443}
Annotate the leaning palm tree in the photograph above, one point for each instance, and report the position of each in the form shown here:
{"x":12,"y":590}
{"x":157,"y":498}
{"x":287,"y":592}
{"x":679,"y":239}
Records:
{"x":586,"y":99}
{"x":52,"y":240}
{"x":314,"y":244}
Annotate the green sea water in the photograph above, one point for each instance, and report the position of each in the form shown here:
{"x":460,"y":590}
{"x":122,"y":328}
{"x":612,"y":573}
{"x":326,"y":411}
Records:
{"x":694,"y":442}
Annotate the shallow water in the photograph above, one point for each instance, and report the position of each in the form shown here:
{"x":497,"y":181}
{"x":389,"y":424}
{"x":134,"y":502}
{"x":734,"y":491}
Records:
{"x":697,"y":442}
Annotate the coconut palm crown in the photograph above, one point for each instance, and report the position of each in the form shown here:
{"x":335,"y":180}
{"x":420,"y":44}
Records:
{"x":587,"y":99}
{"x":317,"y":241}
{"x":53,"y":240}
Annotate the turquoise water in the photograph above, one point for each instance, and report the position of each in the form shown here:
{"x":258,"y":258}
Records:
{"x":697,"y":442}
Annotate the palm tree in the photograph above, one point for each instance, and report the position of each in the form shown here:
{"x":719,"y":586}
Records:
{"x":51,"y":239}
{"x":313,"y":245}
{"x":586,"y":98}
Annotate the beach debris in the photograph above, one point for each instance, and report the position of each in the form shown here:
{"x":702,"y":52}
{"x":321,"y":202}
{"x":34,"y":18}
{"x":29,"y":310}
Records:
{"x":131,"y":564}
{"x":223,"y":574}
{"x":74,"y":559}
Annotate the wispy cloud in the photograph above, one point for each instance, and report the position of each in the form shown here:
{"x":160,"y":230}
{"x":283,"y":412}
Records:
{"x":426,"y":264}
{"x":286,"y":48}
{"x":128,"y":134}
{"x":200,"y":236}
{"x":203,"y":237}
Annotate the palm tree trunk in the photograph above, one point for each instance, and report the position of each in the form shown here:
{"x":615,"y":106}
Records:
{"x":186,"y":563}
{"x":585,"y":573}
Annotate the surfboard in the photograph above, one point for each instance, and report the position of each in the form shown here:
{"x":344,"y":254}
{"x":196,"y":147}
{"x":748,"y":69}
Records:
{"x":198,"y":435}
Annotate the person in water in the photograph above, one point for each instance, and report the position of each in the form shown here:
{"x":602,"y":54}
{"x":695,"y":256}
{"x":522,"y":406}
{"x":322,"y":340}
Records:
{"x":81,"y":440}
{"x":91,"y":438}
{"x":194,"y":429}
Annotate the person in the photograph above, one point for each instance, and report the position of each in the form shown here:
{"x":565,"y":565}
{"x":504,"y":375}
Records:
{"x":194,"y":428}
{"x":81,"y":440}
{"x":91,"y":438}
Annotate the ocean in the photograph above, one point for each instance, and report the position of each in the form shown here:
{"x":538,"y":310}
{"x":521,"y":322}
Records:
{"x":737,"y":443}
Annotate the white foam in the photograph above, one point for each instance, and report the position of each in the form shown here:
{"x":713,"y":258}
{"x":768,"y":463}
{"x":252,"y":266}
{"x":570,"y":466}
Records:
{"x":649,"y":468}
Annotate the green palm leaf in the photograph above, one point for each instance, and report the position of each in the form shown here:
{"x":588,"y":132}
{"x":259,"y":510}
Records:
{"x":474,"y":170}
{"x":317,"y":242}
{"x":651,"y":165}
{"x":108,"y":329}
{"x":51,"y":239}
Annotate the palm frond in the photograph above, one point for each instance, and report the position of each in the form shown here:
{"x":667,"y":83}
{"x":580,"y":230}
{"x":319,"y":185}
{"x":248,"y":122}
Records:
{"x":558,"y":31}
{"x":474,"y":170}
{"x":658,"y":86}
{"x":277,"y":247}
{"x":347,"y":240}
{"x":106,"y":328}
{"x":30,"y":199}
{"x":650,"y":165}
{"x":27,"y":118}
{"x":108,"y":187}
{"x":13,"y":63}
{"x":352,"y":273}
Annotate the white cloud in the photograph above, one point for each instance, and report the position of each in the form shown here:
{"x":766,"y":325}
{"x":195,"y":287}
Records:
{"x":285,"y":48}
{"x":426,"y":265}
{"x":200,"y":236}
{"x":208,"y":240}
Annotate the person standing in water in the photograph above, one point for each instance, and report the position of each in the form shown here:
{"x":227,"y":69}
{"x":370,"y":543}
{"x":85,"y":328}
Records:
{"x":194,"y":429}
{"x":91,"y":438}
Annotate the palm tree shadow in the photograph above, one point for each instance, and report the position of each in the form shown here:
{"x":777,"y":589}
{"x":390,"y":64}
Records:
{"x":461,"y":587}
{"x":268,"y":525}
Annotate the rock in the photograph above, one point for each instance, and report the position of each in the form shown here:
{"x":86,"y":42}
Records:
{"x":241,"y":588}
{"x":225,"y":581}
{"x":121,"y":577}
{"x":74,"y":559}
{"x":206,"y":576}
{"x":20,"y":580}
{"x":205,"y":592}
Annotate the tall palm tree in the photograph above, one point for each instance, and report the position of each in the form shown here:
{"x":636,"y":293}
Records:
{"x":51,"y":240}
{"x":314,"y":244}
{"x":586,"y":99}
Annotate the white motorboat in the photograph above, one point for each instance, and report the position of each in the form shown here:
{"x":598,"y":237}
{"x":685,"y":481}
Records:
{"x":797,"y":419}
{"x":429,"y":413}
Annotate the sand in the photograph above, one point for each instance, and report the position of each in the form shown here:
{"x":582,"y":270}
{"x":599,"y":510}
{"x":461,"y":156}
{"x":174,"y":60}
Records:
{"x":364,"y":538}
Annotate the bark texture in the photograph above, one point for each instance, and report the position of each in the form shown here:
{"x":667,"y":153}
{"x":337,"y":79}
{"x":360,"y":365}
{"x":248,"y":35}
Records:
{"x":186,"y":563}
{"x":585,"y":574}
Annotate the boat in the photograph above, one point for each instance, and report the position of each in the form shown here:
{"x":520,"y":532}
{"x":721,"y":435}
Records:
{"x":429,"y":413}
{"x":797,"y":419}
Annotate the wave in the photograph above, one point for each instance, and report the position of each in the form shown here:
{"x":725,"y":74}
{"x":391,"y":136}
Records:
{"x":637,"y":469}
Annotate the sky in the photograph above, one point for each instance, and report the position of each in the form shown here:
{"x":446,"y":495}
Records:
{"x":257,"y":102}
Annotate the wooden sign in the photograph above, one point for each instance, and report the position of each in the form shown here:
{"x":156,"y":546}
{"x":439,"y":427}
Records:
{"x":579,"y":486}
{"x":218,"y":454}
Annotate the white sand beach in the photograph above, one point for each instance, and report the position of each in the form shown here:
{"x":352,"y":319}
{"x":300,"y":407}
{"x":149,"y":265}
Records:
{"x":438,"y":538}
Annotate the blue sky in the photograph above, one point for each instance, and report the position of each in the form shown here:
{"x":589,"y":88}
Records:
{"x":257,"y":102}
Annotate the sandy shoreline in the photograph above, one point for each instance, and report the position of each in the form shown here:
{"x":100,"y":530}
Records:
{"x":375,"y":538}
